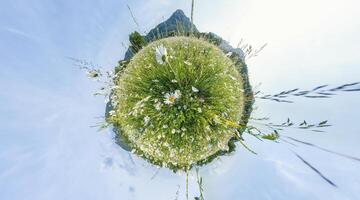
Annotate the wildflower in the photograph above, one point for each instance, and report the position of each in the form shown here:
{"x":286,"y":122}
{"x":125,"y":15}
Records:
{"x":217,"y":119}
{"x":172,"y":153}
{"x":174,"y":81}
{"x":223,"y":146}
{"x":112,"y":113}
{"x":165,"y":126}
{"x":187,"y":63}
{"x":233,"y":78}
{"x":146,"y":120}
{"x":161,"y":54}
{"x":177,"y":93}
{"x":229,"y":54}
{"x":93,"y":74}
{"x":207,"y":128}
{"x":114,"y":103}
{"x":164,"y":164}
{"x":194,"y":89}
{"x":173,"y":131}
{"x":158,"y":106}
{"x":170,"y":98}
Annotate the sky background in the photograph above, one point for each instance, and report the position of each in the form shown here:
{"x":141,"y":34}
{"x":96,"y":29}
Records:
{"x":48,"y":149}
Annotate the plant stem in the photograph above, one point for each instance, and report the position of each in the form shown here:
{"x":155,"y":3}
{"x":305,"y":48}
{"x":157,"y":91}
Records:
{"x":187,"y":184}
{"x":192,"y":16}
{"x":199,"y":181}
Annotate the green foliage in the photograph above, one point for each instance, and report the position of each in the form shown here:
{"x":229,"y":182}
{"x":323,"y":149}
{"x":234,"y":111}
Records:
{"x":303,"y":125}
{"x":199,"y":181}
{"x":210,"y":37}
{"x":272,"y":136}
{"x":93,"y":74}
{"x":121,"y":66}
{"x":181,"y":107}
{"x":137,"y":42}
{"x":319,"y":92}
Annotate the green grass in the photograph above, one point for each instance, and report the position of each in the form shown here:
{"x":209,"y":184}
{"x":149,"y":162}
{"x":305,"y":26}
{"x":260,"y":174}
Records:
{"x":180,"y":108}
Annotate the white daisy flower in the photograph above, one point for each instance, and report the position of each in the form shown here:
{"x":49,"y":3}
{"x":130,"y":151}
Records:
{"x":170,"y":98}
{"x":173,"y":131}
{"x":194,"y":89}
{"x":174,"y":81}
{"x":161,"y":54}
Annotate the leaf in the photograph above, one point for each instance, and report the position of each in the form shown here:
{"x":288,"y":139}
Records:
{"x":246,"y":147}
{"x":324,"y":149}
{"x":303,"y":123}
{"x":315,"y":170}
{"x":307,"y":127}
{"x":93,"y":74}
{"x":273,"y":136}
{"x":323,"y":123}
{"x":316,"y":96}
{"x":318,"y":131}
{"x":325,"y":93}
{"x":319,"y":87}
{"x":352,"y":90}
{"x":319,"y":92}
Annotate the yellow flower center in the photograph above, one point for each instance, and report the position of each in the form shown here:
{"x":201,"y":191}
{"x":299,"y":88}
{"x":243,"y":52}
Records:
{"x":172,"y":99}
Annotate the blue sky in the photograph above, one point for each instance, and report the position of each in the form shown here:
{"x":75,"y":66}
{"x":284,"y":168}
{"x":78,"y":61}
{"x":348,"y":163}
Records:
{"x":49,"y":151}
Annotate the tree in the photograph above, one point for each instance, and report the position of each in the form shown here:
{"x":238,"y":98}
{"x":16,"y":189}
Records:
{"x":137,"y":42}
